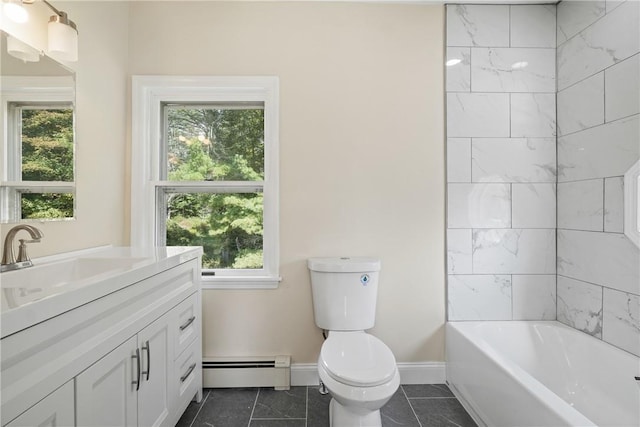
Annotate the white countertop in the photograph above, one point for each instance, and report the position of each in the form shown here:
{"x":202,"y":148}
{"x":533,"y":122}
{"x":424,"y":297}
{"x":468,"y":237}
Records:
{"x":63,"y":282}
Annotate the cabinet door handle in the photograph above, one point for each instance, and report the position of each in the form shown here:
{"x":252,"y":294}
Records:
{"x":187,"y":323}
{"x":137,"y":357}
{"x":146,"y":347}
{"x":186,"y":375}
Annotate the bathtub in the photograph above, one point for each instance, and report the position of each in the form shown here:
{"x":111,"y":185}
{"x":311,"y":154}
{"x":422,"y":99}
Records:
{"x":541,"y":374}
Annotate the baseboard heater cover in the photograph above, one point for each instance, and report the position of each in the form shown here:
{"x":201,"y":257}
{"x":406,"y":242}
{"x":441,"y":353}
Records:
{"x":252,"y":372}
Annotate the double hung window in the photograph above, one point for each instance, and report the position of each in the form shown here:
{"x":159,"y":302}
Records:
{"x":205,"y":173}
{"x":38,"y":153}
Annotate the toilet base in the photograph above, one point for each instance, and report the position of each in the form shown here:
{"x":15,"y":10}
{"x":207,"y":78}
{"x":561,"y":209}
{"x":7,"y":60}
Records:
{"x":340,"y":416}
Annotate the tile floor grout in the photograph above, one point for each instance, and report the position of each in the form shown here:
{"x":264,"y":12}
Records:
{"x":432,"y":406}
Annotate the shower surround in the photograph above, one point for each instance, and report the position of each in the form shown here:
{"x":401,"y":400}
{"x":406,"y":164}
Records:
{"x":504,"y":215}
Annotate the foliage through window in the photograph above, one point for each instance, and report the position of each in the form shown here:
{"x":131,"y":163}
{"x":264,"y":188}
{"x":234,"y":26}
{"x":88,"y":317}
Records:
{"x":41,"y":161}
{"x":222,"y":143}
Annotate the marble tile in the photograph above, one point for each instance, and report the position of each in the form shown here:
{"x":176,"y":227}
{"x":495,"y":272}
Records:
{"x":458,"y":74}
{"x":611,"y":39}
{"x":614,"y":204}
{"x":580,"y":305}
{"x":479,"y":206}
{"x":607,"y":259}
{"x":513,"y":70}
{"x":427,"y":390}
{"x":621,"y":320}
{"x":486,"y":297}
{"x":458,"y":159}
{"x":513,"y":159}
{"x":397,"y":412}
{"x":581,"y":205}
{"x":534,"y":297}
{"x":581,"y":106}
{"x":599,"y":152}
{"x":612,"y":4}
{"x":281,"y":404}
{"x":514,"y":251}
{"x":227,"y":407}
{"x":622,"y":85}
{"x":317,"y":408}
{"x":477,"y":115}
{"x":533,"y":205}
{"x":576,"y":15}
{"x":441,"y":413}
{"x":477,"y":25}
{"x":278,"y":423}
{"x":533,"y":25}
{"x":533,"y":115}
{"x":459,"y":251}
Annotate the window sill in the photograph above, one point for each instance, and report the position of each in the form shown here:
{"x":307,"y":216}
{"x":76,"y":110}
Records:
{"x":258,"y":282}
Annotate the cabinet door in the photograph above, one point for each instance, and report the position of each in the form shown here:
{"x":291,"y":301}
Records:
{"x":156,"y":354}
{"x":55,"y":410}
{"x":106,"y":391}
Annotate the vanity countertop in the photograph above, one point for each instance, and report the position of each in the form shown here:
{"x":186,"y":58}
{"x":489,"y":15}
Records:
{"x":60,"y":283}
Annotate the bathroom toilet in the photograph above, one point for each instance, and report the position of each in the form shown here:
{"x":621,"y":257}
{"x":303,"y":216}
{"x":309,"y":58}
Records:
{"x":357,"y":368}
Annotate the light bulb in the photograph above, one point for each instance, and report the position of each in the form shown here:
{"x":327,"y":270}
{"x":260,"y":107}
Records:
{"x":16,"y":12}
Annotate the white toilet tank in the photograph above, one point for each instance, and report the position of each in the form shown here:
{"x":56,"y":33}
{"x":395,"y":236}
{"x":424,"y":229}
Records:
{"x":345,"y":292}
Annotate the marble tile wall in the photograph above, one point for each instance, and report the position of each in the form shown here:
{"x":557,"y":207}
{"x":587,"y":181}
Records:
{"x":535,"y":205}
{"x":598,"y":106}
{"x":501,"y":158}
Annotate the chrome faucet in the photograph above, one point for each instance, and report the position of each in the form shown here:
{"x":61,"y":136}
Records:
{"x":9,"y":261}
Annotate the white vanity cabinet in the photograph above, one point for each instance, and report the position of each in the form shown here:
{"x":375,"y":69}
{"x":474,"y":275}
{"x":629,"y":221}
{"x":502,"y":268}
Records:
{"x":55,"y":410}
{"x":130,"y":358}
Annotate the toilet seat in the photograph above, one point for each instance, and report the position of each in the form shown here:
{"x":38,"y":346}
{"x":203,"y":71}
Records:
{"x":357,"y":359}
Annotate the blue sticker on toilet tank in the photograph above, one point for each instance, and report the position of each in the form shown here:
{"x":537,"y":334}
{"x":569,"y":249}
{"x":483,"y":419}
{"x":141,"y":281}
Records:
{"x":364,"y":279}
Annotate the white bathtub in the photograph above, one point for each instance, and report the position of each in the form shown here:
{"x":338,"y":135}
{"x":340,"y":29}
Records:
{"x":541,"y":374}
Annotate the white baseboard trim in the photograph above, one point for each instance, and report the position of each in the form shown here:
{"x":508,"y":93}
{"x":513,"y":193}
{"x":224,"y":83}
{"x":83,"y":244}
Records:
{"x":306,"y":374}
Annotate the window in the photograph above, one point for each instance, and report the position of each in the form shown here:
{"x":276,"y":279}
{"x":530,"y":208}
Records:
{"x":205,"y":173}
{"x":38,"y":177}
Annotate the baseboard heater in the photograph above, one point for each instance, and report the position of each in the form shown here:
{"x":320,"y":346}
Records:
{"x":272,"y":371}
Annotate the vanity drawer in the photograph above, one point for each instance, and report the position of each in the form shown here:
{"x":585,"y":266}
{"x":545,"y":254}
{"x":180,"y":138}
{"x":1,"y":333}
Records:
{"x":187,"y":323}
{"x":187,"y":376}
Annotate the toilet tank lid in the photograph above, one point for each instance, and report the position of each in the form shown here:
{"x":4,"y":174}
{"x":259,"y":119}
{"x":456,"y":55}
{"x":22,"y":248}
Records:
{"x":344,"y":264}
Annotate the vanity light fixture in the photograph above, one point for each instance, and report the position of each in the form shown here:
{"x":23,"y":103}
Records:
{"x":63,"y":36}
{"x":452,"y":62}
{"x":21,"y":50}
{"x":14,"y":10}
{"x":519,"y":65}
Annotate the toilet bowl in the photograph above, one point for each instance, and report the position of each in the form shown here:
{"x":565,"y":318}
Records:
{"x":360,"y":372}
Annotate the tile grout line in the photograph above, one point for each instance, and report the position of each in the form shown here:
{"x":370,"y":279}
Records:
{"x":204,"y":400}
{"x":411,"y":406}
{"x":255,"y":402}
{"x":306,"y":408}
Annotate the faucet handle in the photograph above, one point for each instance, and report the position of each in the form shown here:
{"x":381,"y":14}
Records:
{"x":22,"y":250}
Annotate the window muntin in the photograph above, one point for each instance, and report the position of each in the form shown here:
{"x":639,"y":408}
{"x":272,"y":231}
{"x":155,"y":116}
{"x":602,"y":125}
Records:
{"x":161,"y":181}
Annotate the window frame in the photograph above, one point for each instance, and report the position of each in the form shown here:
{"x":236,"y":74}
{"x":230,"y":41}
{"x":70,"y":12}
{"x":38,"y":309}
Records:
{"x":57,"y":91}
{"x":149,"y":94}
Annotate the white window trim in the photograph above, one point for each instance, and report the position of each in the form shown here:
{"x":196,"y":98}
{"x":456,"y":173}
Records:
{"x":148,"y":95}
{"x":28,"y":90}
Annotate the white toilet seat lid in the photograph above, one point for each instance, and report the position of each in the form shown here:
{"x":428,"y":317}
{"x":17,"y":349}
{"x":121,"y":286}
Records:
{"x":357,"y":359}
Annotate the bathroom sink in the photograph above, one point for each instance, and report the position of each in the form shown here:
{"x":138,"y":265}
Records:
{"x":55,"y":274}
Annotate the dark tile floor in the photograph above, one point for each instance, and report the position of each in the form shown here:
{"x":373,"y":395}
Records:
{"x":412,"y":405}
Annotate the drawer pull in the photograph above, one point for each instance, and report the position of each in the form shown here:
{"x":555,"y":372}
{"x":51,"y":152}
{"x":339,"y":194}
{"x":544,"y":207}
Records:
{"x":186,"y":375}
{"x":187,"y":323}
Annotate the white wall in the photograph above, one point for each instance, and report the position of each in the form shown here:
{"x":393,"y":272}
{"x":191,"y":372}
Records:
{"x":362,"y":157}
{"x":101,"y":106}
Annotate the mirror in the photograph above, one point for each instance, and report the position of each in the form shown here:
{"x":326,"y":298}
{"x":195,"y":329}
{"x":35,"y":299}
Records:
{"x":37,"y":160}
